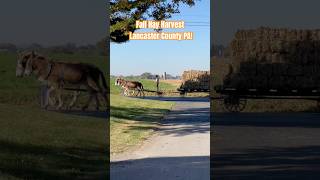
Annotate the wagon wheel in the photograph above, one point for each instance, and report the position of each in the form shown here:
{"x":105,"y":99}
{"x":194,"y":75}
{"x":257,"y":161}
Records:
{"x":234,"y":103}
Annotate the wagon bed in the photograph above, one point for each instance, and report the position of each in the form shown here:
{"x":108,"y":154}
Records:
{"x":235,"y":100}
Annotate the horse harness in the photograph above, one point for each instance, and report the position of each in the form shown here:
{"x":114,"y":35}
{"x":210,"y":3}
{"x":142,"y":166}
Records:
{"x":60,"y":76}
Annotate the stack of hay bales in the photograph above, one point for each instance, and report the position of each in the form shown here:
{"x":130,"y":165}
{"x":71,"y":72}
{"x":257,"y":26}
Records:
{"x":196,"y":80}
{"x":275,"y":59}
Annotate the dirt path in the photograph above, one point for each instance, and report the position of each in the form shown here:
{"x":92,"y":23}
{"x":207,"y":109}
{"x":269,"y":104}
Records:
{"x":179,"y":150}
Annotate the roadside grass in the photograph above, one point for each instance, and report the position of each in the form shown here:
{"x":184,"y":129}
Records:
{"x":38,"y":144}
{"x":147,"y":84}
{"x":133,"y":120}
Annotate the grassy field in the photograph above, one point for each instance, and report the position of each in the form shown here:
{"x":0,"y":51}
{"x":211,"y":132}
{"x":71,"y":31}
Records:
{"x":38,"y":144}
{"x":147,"y":84}
{"x":133,"y":120}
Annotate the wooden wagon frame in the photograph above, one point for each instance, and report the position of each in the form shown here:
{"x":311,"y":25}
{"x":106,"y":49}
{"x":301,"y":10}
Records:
{"x":235,"y":100}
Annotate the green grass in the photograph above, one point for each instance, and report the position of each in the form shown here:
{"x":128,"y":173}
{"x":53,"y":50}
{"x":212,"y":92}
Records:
{"x":133,"y":120}
{"x":38,"y":144}
{"x":147,"y":84}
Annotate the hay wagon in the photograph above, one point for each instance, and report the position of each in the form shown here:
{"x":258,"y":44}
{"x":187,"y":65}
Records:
{"x":195,"y":81}
{"x":192,"y":81}
{"x":271,"y":63}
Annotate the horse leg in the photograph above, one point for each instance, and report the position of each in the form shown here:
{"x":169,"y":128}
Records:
{"x":142,"y":92}
{"x":85,"y":107}
{"x":59,"y":95}
{"x":74,"y":99}
{"x":51,"y":101}
{"x":97,"y":101}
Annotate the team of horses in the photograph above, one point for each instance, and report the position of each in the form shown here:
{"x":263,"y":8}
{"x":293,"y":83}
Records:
{"x":128,"y":86}
{"x":59,"y":74}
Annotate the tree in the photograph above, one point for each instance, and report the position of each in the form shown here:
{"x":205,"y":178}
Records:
{"x":147,"y":75}
{"x":124,"y":14}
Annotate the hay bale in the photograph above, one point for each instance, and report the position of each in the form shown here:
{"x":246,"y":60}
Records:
{"x":264,"y":70}
{"x":196,"y":80}
{"x":279,"y":55}
{"x":248,"y":68}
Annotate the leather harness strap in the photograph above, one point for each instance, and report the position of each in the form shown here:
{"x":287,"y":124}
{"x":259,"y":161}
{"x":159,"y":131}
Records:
{"x":49,"y":70}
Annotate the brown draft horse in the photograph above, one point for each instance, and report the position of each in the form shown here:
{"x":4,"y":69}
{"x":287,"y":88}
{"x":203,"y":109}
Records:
{"x":56,"y":74}
{"x":130,"y":85}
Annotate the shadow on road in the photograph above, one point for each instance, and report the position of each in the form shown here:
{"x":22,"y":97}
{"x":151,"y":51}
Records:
{"x":247,"y":146}
{"x":268,"y":163}
{"x":306,"y":120}
{"x":186,"y":122}
{"x":169,"y":168}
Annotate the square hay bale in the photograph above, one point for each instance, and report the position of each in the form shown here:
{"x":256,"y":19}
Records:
{"x":259,"y":82}
{"x":295,"y":70}
{"x":264,"y":69}
{"x":279,"y":69}
{"x":248,"y":68}
{"x":235,"y":81}
{"x":310,"y":71}
{"x":306,"y":82}
{"x":276,"y":82}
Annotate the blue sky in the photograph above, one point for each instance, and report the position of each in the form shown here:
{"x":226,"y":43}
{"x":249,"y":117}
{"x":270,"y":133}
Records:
{"x":173,"y":57}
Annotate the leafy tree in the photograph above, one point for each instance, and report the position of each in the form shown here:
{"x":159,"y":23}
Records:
{"x":124,"y":14}
{"x":146,"y":75}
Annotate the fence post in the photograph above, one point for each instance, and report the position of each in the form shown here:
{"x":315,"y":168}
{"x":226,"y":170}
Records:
{"x":44,"y":98}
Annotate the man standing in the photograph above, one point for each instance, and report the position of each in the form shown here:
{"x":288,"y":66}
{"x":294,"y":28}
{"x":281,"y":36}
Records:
{"x":157,"y":81}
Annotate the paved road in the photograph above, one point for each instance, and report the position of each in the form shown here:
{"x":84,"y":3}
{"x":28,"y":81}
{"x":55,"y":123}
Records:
{"x":179,"y":151}
{"x":265,"y":146}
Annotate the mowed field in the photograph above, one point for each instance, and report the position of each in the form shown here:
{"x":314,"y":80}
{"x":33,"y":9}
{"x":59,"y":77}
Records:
{"x":39,"y":144}
{"x":133,"y":120}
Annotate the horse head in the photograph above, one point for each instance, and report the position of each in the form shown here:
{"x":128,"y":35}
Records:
{"x":22,"y":61}
{"x":28,"y":68}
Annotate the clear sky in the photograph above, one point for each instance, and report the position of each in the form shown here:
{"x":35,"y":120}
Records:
{"x":173,"y":57}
